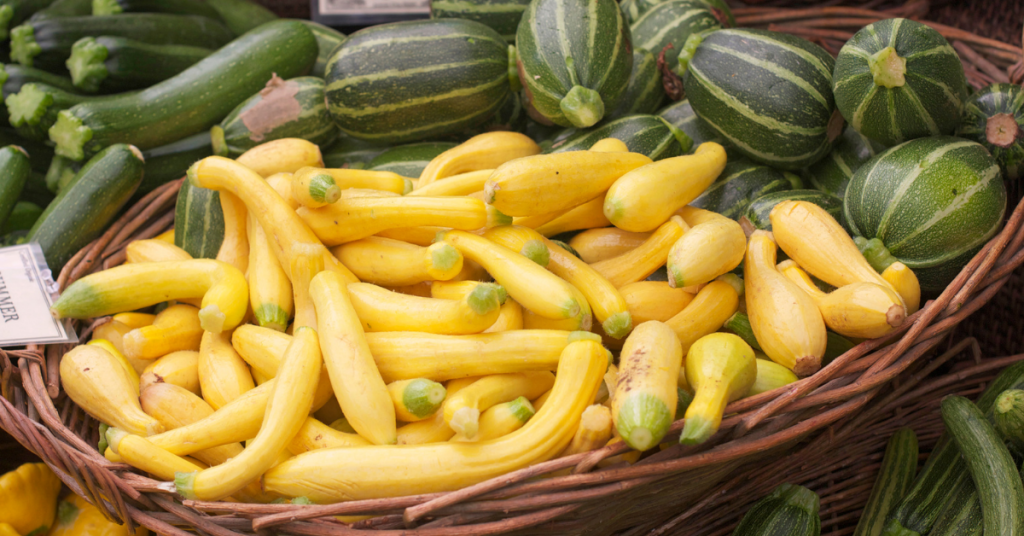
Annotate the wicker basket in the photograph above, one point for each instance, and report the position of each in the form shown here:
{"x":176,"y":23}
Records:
{"x":592,"y":500}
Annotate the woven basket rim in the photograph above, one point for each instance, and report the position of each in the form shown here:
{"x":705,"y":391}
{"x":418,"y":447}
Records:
{"x":517,"y":500}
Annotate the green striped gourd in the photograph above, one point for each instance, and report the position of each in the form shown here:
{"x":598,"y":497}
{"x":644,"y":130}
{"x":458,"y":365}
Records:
{"x":993,"y":116}
{"x":790,"y":127}
{"x":198,"y":221}
{"x":574,"y":59}
{"x":681,"y":116}
{"x":832,"y":174}
{"x":502,"y":16}
{"x":670,"y":24}
{"x":932,"y":202}
{"x":897,"y":80}
{"x":787,"y":511}
{"x":761,"y":208}
{"x":645,"y":134}
{"x":894,"y":478}
{"x":348,"y":152}
{"x":283,"y":109}
{"x":741,"y":182}
{"x":415,"y":80}
{"x":644,"y":93}
{"x":634,"y":9}
{"x":409,"y":160}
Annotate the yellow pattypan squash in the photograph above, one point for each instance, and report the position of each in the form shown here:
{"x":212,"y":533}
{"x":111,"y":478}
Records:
{"x":28,"y":498}
{"x":76,"y":517}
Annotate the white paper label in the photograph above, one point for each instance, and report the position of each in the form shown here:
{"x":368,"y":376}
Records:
{"x":27,"y":291}
{"x":373,"y":7}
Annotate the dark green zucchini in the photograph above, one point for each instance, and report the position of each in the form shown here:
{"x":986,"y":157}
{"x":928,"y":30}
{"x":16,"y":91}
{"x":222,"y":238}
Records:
{"x":198,"y":221}
{"x":14,"y":172}
{"x":174,"y":7}
{"x":644,"y":92}
{"x":899,"y":465}
{"x":761,"y":207}
{"x":739,"y":323}
{"x":118,"y":64}
{"x":991,"y":467}
{"x":409,"y":160}
{"x":961,"y":516}
{"x":194,"y":100}
{"x":35,"y":190}
{"x":38,"y":153}
{"x":240,"y":16}
{"x":64,"y":8}
{"x":46,"y":44}
{"x":1009,"y":416}
{"x":13,"y":12}
{"x":13,"y":76}
{"x":23,"y":217}
{"x":740,"y":183}
{"x":349,"y":152}
{"x":60,"y":173}
{"x":788,"y":511}
{"x":327,"y":39}
{"x":169,"y":162}
{"x":282,"y":109}
{"x":84,"y":209}
{"x":33,"y":110}
{"x":645,"y":134}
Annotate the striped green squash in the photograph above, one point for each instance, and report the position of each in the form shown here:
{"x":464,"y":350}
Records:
{"x":741,"y":182}
{"x":790,"y":126}
{"x":787,"y":511}
{"x":644,"y":92}
{"x":670,"y":24}
{"x":284,"y":109}
{"x":761,"y":208}
{"x":897,"y":80}
{"x":932,"y":202}
{"x":501,"y":15}
{"x":327,"y":39}
{"x":645,"y":134}
{"x":415,"y":80}
{"x":894,"y":479}
{"x":832,"y":174}
{"x":410,"y":159}
{"x":681,"y":116}
{"x":351,"y":153}
{"x":574,"y":59}
{"x":993,"y":116}
{"x":510,"y":116}
{"x":198,"y":221}
{"x":634,"y":9}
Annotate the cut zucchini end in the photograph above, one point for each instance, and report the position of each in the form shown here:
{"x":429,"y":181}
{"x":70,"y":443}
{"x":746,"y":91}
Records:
{"x":6,"y":14}
{"x":643,"y":420}
{"x":323,"y":189}
{"x":106,"y":7}
{"x":497,"y":218}
{"x":28,"y":106}
{"x":536,"y":251}
{"x":444,"y":257}
{"x":582,"y":106}
{"x":70,"y":135}
{"x":212,"y":319}
{"x":502,"y":293}
{"x":87,"y":65}
{"x":220,"y":145}
{"x":466,"y":421}
{"x":697,"y":430}
{"x":576,"y":336}
{"x":483,"y":299}
{"x":302,"y":501}
{"x":184,"y":484}
{"x":422,"y":397}
{"x":618,"y":325}
{"x":23,"y":45}
{"x":273,"y":316}
{"x":114,"y":437}
{"x":521,"y":409}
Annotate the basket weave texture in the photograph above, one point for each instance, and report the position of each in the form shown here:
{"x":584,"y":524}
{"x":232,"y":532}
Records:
{"x":843,"y":397}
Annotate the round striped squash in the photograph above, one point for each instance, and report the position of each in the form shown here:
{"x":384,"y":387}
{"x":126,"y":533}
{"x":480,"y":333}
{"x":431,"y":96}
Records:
{"x":501,"y":15}
{"x":933,"y":203}
{"x":415,"y":80}
{"x":897,"y":80}
{"x":761,"y":208}
{"x":994,"y":117}
{"x":741,"y":182}
{"x":574,"y":59}
{"x":645,"y":134}
{"x":767,"y":93}
{"x":634,"y":9}
{"x":644,"y":93}
{"x":832,"y":174}
{"x":681,"y":116}
{"x":670,"y":24}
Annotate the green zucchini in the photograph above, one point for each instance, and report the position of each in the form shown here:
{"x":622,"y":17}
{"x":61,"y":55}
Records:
{"x":761,"y":207}
{"x":198,"y":221}
{"x":669,"y":24}
{"x":46,"y":44}
{"x":349,"y":152}
{"x":787,"y":511}
{"x":899,"y":465}
{"x":835,"y":346}
{"x":60,"y":173}
{"x":327,"y":41}
{"x":993,"y":117}
{"x":38,"y":153}
{"x":833,"y":173}
{"x":13,"y":12}
{"x":897,"y":80}
{"x":739,"y":324}
{"x":14,"y":76}
{"x":174,"y":7}
{"x":34,"y":109}
{"x":502,"y":16}
{"x":933,"y":203}
{"x":574,"y":59}
{"x":938,"y":482}
{"x":283,"y":109}
{"x":14,"y":171}
{"x":961,"y":516}
{"x":23,"y":217}
{"x":741,"y":182}
{"x":416,"y":80}
{"x":84,"y":209}
{"x":789,"y":127}
{"x":991,"y":467}
{"x":35,"y":190}
{"x":169,"y":162}
{"x":64,"y":8}
{"x":409,"y":160}
{"x":241,"y":16}
{"x":192,"y":101}
{"x":644,"y":92}
{"x":1009,"y":416}
{"x":118,"y":63}
{"x":634,"y":9}
{"x":681,"y":116}
{"x":645,"y":134}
